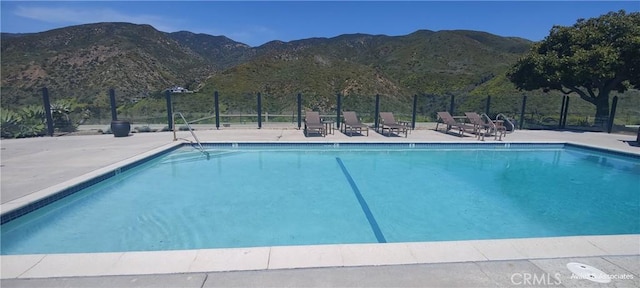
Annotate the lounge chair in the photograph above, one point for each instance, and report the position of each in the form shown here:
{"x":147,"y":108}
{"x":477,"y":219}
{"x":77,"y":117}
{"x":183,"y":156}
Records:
{"x":387,"y":121}
{"x":485,"y":127}
{"x":351,"y":123}
{"x":452,"y":123}
{"x":312,"y":123}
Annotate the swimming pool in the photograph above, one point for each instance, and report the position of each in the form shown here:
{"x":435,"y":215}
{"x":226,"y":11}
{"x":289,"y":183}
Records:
{"x":249,"y":195}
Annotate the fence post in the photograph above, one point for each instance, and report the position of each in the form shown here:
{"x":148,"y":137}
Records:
{"x":377,"y":112}
{"x":338,"y":108}
{"x":566,"y":110}
{"x":259,"y":110}
{"x":169,"y":110}
{"x":524,"y":105}
{"x":47,"y":110}
{"x":112,"y":100}
{"x":487,"y":105}
{"x":564,"y":101}
{"x":452,"y":105}
{"x":299,"y":110}
{"x":612,"y":115}
{"x":216,"y":106}
{"x":415,"y":110}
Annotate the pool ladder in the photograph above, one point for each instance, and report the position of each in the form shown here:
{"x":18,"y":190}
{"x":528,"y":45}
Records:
{"x":508,"y":123}
{"x":199,"y":146}
{"x":492,"y":127}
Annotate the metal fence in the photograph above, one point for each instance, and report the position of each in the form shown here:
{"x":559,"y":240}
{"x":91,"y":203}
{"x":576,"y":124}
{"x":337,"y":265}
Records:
{"x":264,"y":110}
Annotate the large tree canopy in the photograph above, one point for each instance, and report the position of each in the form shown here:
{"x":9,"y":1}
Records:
{"x":591,"y":58}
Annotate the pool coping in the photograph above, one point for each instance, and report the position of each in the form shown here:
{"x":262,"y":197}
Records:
{"x":288,"y":257}
{"x":312,"y":256}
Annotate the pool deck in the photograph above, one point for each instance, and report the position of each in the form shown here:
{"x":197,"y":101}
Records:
{"x":36,"y":167}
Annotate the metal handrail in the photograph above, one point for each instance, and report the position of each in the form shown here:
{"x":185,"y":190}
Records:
{"x":173,"y":119}
{"x":488,"y":120}
{"x":505,"y":118}
{"x":498,"y":130}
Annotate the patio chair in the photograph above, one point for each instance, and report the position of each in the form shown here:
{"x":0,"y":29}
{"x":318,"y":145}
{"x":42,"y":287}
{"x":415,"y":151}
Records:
{"x":451,"y":123}
{"x":312,"y":123}
{"x":387,"y":121}
{"x":351,"y":123}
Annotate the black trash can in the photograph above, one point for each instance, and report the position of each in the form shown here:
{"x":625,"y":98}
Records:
{"x":120,"y":128}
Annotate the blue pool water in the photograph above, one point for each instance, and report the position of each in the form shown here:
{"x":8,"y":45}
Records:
{"x":299,"y":195}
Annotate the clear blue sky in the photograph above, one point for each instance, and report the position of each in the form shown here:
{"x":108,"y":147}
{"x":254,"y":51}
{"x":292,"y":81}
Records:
{"x":255,"y":23}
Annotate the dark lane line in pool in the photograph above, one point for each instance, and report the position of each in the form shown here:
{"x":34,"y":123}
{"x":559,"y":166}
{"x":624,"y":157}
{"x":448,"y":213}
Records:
{"x":363,"y":203}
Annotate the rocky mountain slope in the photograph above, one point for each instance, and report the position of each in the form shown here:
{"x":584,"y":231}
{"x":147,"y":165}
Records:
{"x":83,"y":62}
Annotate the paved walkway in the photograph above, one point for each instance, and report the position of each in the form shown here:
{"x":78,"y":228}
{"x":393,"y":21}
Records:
{"x":29,"y":166}
{"x":521,"y":273}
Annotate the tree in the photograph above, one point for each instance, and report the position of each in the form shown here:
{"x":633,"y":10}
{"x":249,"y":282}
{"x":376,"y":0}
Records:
{"x":591,"y":58}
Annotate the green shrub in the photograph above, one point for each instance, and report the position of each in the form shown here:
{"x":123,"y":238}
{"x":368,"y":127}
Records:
{"x":30,"y":121}
{"x":9,"y":123}
{"x":26,"y":122}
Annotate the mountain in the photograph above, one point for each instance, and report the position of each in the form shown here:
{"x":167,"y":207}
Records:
{"x":82,"y":62}
{"x":220,"y":51}
{"x":359,"y":64}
